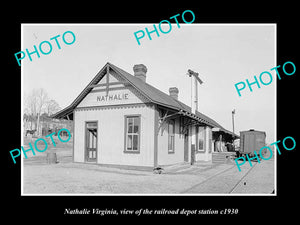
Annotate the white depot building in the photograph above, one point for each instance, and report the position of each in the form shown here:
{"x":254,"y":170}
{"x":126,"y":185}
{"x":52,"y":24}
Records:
{"x":120,"y":119}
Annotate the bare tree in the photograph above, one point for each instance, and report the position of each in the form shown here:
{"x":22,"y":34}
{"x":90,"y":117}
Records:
{"x":52,"y":107}
{"x":36,"y":103}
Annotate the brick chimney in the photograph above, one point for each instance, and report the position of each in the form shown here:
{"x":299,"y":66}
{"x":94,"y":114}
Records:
{"x":174,"y":92}
{"x":140,"y":71}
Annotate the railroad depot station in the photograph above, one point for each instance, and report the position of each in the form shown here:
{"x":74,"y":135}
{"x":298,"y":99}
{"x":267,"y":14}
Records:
{"x":121,"y":120}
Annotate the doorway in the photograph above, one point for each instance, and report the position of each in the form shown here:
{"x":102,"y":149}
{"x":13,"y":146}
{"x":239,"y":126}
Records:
{"x":186,"y":146}
{"x":91,"y":130}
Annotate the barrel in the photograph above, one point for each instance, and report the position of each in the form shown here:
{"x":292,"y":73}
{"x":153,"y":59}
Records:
{"x":51,"y":158}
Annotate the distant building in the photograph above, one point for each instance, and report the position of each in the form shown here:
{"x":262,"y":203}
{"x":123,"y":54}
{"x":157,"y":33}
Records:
{"x":47,"y":125}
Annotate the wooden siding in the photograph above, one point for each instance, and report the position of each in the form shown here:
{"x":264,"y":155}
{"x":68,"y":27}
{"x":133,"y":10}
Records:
{"x":111,"y":135}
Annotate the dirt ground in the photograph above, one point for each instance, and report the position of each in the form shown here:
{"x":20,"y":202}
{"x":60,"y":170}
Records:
{"x":258,"y":179}
{"x":66,"y":177}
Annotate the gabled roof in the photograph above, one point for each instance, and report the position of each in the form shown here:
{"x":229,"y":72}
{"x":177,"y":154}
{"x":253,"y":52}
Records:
{"x":148,"y":91}
{"x":153,"y":94}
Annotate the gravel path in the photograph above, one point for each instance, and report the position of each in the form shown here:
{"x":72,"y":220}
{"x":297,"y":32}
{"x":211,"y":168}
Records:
{"x":80,"y":178}
{"x":258,"y":179}
{"x":66,"y":177}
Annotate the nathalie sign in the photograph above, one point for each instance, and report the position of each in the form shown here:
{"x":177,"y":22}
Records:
{"x":112,"y":97}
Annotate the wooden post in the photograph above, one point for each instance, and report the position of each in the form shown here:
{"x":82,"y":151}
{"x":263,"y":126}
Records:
{"x":193,"y":150}
{"x":194,"y":108}
{"x":233,"y":112}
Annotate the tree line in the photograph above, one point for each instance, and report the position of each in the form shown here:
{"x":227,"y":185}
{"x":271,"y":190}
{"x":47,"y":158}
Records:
{"x":37,"y":103}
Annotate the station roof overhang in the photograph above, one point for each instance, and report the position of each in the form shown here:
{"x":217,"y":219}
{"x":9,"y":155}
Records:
{"x":152,"y":94}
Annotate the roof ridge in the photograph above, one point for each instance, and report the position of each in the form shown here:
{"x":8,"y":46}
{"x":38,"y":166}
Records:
{"x":144,"y":83}
{"x":182,"y":105}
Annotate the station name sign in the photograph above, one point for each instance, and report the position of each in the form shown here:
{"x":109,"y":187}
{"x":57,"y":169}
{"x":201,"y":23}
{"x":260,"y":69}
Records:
{"x":113,"y":97}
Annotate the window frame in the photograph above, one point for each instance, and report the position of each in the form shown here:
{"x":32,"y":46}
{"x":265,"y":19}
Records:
{"x":203,"y":129}
{"x":171,"y":151}
{"x":126,"y":120}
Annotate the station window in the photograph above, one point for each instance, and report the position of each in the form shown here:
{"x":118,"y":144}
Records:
{"x":200,"y":139}
{"x":132,"y":134}
{"x":171,"y":136}
{"x":210,"y":141}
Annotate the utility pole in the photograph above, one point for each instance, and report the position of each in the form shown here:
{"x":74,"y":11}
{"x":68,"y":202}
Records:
{"x":195,"y":80}
{"x":194,"y":107}
{"x":233,"y":112}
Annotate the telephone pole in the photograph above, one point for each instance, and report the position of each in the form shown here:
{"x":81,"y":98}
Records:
{"x":233,"y":112}
{"x":194,"y":107}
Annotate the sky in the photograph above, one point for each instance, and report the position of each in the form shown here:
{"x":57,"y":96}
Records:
{"x":222,"y":54}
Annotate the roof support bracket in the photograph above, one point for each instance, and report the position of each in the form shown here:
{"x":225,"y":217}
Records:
{"x":161,"y":121}
{"x":164,"y":119}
